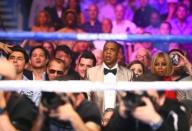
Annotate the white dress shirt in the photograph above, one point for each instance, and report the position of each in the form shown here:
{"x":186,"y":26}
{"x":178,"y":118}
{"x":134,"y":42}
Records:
{"x":110,"y":96}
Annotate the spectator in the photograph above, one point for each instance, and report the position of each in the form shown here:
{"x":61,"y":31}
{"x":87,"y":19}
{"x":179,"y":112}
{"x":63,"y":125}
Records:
{"x":49,"y":46}
{"x":107,"y":26}
{"x":155,"y":21}
{"x":172,"y":5}
{"x":130,"y":7}
{"x":109,"y":72}
{"x":82,"y":115}
{"x":42,"y":24}
{"x":37,"y":6}
{"x":86,"y":60}
{"x":179,"y":68}
{"x":120,"y":24}
{"x":11,"y":121}
{"x":161,"y":65}
{"x":165,"y":29}
{"x":19,"y":58}
{"x":143,"y":55}
{"x":137,"y":67}
{"x":189,"y":6}
{"x":146,"y":45}
{"x":38,"y":60}
{"x":181,"y":26}
{"x":81,"y":46}
{"x":71,"y":26}
{"x":55,"y":69}
{"x":142,"y":14}
{"x":75,"y":5}
{"x":65,"y":54}
{"x":160,"y":5}
{"x":159,"y":114}
{"x":182,"y":72}
{"x":92,"y":25}
{"x":99,"y":56}
{"x":107,"y":10}
{"x":121,"y":56}
{"x":56,"y":12}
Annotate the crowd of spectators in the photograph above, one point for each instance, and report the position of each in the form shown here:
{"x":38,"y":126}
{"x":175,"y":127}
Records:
{"x":106,"y":61}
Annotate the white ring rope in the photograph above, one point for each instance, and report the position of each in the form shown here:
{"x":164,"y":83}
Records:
{"x":86,"y":86}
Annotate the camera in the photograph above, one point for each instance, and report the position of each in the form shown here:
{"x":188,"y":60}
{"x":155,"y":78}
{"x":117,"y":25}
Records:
{"x":133,"y":100}
{"x":52,"y":100}
{"x":175,"y":59}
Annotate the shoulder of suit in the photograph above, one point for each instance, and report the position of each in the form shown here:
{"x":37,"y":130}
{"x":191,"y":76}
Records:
{"x":95,"y":68}
{"x":126,"y":71}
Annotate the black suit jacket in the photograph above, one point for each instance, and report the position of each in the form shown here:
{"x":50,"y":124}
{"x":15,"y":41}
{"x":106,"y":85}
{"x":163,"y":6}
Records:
{"x":57,"y":22}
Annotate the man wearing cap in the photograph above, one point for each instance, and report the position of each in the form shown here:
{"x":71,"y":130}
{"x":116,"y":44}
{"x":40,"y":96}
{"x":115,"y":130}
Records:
{"x":109,"y":72}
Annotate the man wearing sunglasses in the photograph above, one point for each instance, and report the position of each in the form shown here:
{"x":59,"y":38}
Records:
{"x":55,"y":69}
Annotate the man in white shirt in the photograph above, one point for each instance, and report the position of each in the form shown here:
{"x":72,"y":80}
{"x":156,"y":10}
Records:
{"x":121,"y":25}
{"x":109,"y":72}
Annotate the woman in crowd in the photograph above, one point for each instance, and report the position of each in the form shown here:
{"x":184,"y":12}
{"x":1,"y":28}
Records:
{"x":137,"y":67}
{"x":42,"y":24}
{"x":75,"y":5}
{"x":161,"y":65}
{"x":49,"y":46}
{"x":71,"y":26}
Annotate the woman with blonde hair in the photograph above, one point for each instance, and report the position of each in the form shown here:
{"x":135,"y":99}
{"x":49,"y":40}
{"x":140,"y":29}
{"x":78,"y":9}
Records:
{"x":161,"y":65}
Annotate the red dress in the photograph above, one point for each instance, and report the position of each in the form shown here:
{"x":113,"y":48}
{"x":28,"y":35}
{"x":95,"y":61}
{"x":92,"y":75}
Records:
{"x":170,"y":94}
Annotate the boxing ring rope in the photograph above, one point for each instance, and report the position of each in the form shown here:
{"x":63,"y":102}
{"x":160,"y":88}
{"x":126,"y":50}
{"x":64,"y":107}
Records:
{"x":78,"y":86}
{"x":91,"y":36}
{"x":86,"y":86}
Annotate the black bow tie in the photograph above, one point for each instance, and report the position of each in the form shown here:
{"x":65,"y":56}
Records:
{"x":106,"y":71}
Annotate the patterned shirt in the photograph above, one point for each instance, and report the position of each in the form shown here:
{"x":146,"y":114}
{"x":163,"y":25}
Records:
{"x":35,"y":96}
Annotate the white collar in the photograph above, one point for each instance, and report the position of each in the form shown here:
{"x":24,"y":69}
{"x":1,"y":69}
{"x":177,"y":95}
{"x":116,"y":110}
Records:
{"x":114,"y":67}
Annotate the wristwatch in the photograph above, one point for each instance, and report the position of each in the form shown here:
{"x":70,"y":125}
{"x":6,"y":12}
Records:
{"x":157,"y":125}
{"x":2,"y":110}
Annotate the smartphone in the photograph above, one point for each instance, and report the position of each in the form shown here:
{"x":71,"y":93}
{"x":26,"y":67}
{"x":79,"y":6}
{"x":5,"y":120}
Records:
{"x":175,"y":59}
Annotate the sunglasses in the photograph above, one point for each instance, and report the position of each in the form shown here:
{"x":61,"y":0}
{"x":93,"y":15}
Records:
{"x":52,"y":71}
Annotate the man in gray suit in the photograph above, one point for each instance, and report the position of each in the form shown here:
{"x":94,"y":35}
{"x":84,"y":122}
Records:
{"x":108,"y":72}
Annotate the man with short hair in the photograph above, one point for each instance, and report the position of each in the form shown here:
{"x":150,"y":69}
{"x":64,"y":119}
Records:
{"x":152,"y":112}
{"x":38,"y":61}
{"x":65,"y":54}
{"x":86,"y":61}
{"x":92,"y":25}
{"x":55,"y":69}
{"x":19,"y":58}
{"x":81,"y":114}
{"x":109,"y":72}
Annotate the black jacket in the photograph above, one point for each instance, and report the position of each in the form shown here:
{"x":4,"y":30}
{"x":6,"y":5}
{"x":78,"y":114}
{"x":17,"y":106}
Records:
{"x":173,"y":114}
